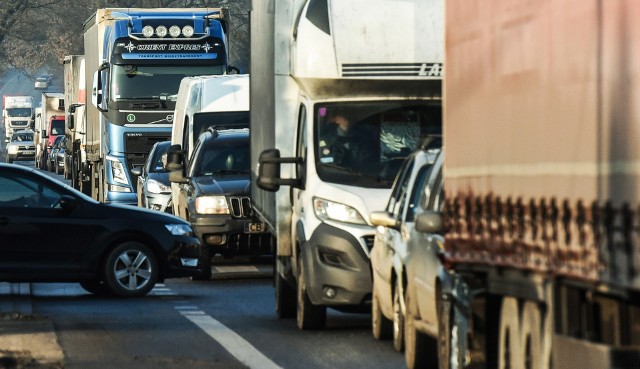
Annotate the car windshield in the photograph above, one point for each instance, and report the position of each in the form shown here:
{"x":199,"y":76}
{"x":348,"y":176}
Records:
{"x":231,"y":157}
{"x":153,"y":81}
{"x":159,"y":159}
{"x":365,"y":143}
{"x":21,"y":137}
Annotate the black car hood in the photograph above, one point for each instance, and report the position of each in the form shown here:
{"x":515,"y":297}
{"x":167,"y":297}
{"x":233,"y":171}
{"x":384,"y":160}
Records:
{"x":162,"y":177}
{"x":222,"y":185}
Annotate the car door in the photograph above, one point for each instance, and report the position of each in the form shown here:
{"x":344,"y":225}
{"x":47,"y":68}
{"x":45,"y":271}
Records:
{"x":39,"y":237}
{"x":424,"y":263}
{"x":389,"y":239}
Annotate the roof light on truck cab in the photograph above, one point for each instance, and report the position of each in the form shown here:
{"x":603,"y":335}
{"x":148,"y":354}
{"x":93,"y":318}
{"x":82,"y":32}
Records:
{"x":147,"y":31}
{"x":174,"y":31}
{"x":187,"y":31}
{"x":161,"y":31}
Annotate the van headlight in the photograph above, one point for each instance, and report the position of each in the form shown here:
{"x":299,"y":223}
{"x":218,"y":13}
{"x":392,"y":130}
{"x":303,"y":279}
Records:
{"x":329,"y":210}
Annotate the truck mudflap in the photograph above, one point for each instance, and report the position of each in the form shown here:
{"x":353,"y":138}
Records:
{"x":336,"y":267}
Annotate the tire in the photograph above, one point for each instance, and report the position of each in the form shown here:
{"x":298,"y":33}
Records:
{"x":142,"y":265}
{"x":285,"y":297}
{"x":509,"y":337}
{"x":398,"y":318}
{"x":308,"y":315}
{"x":531,"y":336}
{"x":416,"y":350}
{"x":96,"y":287}
{"x":381,"y":327}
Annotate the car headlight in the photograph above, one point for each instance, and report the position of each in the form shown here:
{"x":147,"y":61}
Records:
{"x":12,"y":149}
{"x":154,"y":186}
{"x":212,"y":205}
{"x":179,"y":229}
{"x":117,"y":170}
{"x":329,"y":210}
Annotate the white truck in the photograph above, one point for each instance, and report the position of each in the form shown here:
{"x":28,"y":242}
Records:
{"x":74,"y":101}
{"x":17,"y":113}
{"x":49,"y":123}
{"x":542,"y":184}
{"x":204,"y":102}
{"x":311,"y":60}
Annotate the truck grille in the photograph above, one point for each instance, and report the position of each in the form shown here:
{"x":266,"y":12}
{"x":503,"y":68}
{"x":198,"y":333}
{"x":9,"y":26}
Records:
{"x":19,"y":123}
{"x":240,"y":207}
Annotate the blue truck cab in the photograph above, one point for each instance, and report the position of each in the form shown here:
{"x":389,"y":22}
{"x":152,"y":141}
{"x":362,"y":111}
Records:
{"x":135,"y":60}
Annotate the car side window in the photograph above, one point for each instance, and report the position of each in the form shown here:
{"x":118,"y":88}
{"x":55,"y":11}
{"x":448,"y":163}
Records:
{"x":401,"y":195}
{"x":397,"y":186}
{"x":20,"y":191}
{"x":416,"y":192}
{"x":430,"y":193}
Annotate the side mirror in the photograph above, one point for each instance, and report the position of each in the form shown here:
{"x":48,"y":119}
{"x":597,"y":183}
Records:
{"x":269,"y":171}
{"x":429,"y":222}
{"x":175,"y":164}
{"x":97,"y":88}
{"x":68,"y":202}
{"x":44,"y":133}
{"x":137,"y":171}
{"x":70,"y":122}
{"x":383,"y":218}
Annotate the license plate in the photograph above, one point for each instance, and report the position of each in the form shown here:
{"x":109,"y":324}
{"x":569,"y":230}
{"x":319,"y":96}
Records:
{"x":254,"y":228}
{"x":28,"y":152}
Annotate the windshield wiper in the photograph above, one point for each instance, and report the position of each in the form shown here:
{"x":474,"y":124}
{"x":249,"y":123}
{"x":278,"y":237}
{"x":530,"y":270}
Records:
{"x":227,"y":171}
{"x":378,"y":179}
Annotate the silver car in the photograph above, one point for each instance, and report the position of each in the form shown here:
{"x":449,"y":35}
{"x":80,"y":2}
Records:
{"x":154,"y":188}
{"x":21,"y":146}
{"x":407,"y":273}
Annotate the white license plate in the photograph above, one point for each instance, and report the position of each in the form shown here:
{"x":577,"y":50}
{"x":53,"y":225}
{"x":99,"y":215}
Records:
{"x":27,"y":152}
{"x":254,"y":228}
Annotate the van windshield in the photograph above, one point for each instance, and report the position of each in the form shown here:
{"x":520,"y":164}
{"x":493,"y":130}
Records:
{"x":57,"y":127}
{"x":365,"y":143}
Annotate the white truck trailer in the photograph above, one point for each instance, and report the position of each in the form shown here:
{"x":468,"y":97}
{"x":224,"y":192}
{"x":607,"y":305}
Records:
{"x":542,"y":182}
{"x":74,"y":101}
{"x":313,"y":59}
{"x":17,"y":113}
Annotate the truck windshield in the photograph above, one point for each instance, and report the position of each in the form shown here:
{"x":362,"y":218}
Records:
{"x":365,"y":143}
{"x":19,"y":112}
{"x":57,"y":127}
{"x":153,"y":81}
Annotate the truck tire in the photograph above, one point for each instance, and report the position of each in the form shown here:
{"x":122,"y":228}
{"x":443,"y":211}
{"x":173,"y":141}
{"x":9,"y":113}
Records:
{"x":509,"y":336}
{"x":308,"y":316}
{"x":130,"y":270}
{"x":531,"y":336}
{"x":285,"y":297}
{"x":381,"y":327}
{"x":398,"y":317}
{"x":418,"y":349}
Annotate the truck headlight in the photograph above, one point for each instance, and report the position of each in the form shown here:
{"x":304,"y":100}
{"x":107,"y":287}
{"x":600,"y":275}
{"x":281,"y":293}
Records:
{"x":12,"y":149}
{"x":329,"y":210}
{"x":212,"y":205}
{"x":154,"y":186}
{"x":179,"y":229}
{"x":118,"y":172}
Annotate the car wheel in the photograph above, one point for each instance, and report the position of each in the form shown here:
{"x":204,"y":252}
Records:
{"x":308,"y":316}
{"x":285,"y":297}
{"x":381,"y":327}
{"x":131,"y":270}
{"x":96,"y":287}
{"x":416,"y":350}
{"x":398,"y":319}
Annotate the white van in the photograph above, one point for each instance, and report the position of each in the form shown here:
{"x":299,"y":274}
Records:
{"x":220,"y":101}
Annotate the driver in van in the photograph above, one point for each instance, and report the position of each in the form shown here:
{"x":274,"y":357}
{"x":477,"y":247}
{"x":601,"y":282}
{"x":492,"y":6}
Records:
{"x":344,"y":142}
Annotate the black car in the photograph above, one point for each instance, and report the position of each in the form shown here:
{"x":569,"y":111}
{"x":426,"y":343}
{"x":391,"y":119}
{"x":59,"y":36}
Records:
{"x":51,"y":232}
{"x":217,"y":195}
{"x":153,"y":187}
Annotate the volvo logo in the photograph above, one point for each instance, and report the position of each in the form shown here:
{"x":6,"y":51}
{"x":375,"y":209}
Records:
{"x":170,"y":118}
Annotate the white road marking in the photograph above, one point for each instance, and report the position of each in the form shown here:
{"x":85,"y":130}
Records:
{"x":236,"y":269}
{"x":230,"y":340}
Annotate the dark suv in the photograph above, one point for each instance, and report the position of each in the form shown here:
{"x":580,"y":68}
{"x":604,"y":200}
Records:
{"x":216,"y":195}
